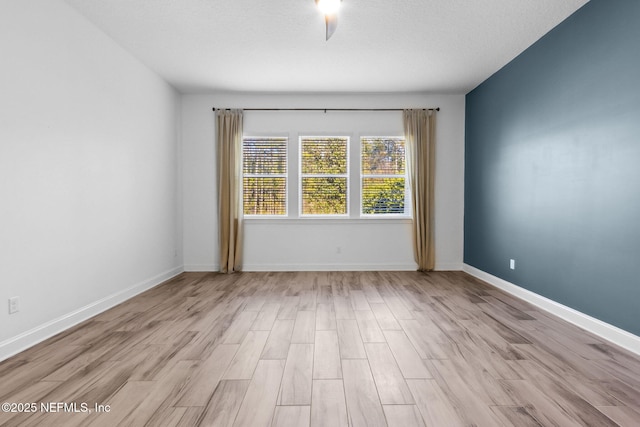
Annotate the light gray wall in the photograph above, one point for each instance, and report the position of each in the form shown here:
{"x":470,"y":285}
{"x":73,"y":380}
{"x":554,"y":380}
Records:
{"x":311,"y":244}
{"x":88,"y":172}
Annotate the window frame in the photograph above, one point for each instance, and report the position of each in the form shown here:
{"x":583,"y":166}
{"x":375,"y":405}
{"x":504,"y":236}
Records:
{"x":285,"y":175}
{"x":346,"y":175}
{"x":407,"y":191}
{"x":354,"y":179}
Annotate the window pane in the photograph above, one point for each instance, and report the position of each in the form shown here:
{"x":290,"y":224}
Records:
{"x":383,"y":196}
{"x":324,"y":196}
{"x":264,"y":156}
{"x":383,"y":156}
{"x":324,"y":155}
{"x":264,"y":168}
{"x":265,"y":196}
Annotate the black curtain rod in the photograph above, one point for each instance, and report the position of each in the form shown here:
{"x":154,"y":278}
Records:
{"x":329,"y":109}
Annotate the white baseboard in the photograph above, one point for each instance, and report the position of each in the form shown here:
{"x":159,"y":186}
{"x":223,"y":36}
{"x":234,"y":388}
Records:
{"x":347,"y":267}
{"x":324,"y":267}
{"x":201,"y":268}
{"x":448,"y":266}
{"x":597,"y":327}
{"x":15,"y":345}
{"x":329,"y":267}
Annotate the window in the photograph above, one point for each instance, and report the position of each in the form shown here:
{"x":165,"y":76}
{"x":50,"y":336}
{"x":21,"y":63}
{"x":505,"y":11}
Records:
{"x":324,"y":175}
{"x":383,"y":176}
{"x":321,"y":185}
{"x":264,"y":176}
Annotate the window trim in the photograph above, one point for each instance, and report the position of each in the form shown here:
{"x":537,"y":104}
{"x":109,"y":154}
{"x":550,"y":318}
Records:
{"x":346,"y":175}
{"x":285,"y":176}
{"x":408,"y":211}
{"x":354,"y":176}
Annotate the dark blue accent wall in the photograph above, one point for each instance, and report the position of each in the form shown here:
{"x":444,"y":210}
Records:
{"x":552,"y":166}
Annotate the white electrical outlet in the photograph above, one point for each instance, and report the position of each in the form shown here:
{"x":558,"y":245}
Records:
{"x":512,"y":264}
{"x":14,"y":305}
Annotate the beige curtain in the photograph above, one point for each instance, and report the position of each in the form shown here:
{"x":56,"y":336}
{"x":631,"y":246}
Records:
{"x":229,"y":143}
{"x":419,"y":131}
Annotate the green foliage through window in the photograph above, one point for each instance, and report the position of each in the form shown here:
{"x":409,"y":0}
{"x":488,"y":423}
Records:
{"x":324,"y":175}
{"x":383,"y":176}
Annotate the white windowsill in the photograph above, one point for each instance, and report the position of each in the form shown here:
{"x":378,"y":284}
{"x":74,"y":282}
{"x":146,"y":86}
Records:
{"x":327,"y":220}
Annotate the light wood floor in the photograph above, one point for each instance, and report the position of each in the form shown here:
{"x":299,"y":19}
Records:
{"x":325,"y":349}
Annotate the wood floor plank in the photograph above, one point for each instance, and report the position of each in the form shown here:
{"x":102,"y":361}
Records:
{"x":385,"y":318}
{"x":488,"y":389}
{"x":97,"y":383}
{"x":164,"y":394}
{"x":266,"y":317}
{"x":368,"y":325}
{"x":297,"y":377}
{"x":408,"y":359}
{"x":516,"y":416}
{"x":183,"y":417}
{"x":359,"y":301}
{"x":343,"y":308}
{"x":222,"y":408}
{"x":289,"y":307}
{"x":17,"y":379}
{"x":246,"y":358}
{"x":590,"y":390}
{"x":370,"y":287}
{"x":433,"y":403}
{"x":308,"y":301}
{"x":563,"y":394}
{"x":123,"y":403}
{"x":398,"y":308}
{"x":540,"y":406}
{"x":260,"y":400}
{"x":33,"y":393}
{"x":254,"y":303}
{"x":154,"y":360}
{"x":277,"y":346}
{"x":325,"y":317}
{"x":349,"y":340}
{"x":390,"y":383}
{"x":429,"y":345}
{"x":292,"y":416}
{"x":201,"y":386}
{"x":471,"y":408}
{"x":328,"y":404}
{"x":304,"y":328}
{"x":326,"y":359}
{"x":169,"y":416}
{"x":239,"y":327}
{"x":622,"y":415}
{"x":625,"y":393}
{"x":471,"y":347}
{"x":403,"y":416}
{"x":363,"y":405}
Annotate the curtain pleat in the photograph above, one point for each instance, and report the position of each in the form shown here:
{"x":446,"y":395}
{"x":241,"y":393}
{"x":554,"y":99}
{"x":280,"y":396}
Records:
{"x":419,"y":129}
{"x":229,"y":143}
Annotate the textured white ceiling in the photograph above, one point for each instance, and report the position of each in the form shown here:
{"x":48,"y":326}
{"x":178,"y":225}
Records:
{"x":279,"y":45}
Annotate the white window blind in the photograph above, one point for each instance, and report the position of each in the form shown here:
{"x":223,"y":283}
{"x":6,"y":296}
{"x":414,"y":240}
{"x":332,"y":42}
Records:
{"x":383,"y":176}
{"x":324,"y":175}
{"x":264,"y":176}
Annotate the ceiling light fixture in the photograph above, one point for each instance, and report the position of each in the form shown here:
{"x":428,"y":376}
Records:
{"x":329,"y":9}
